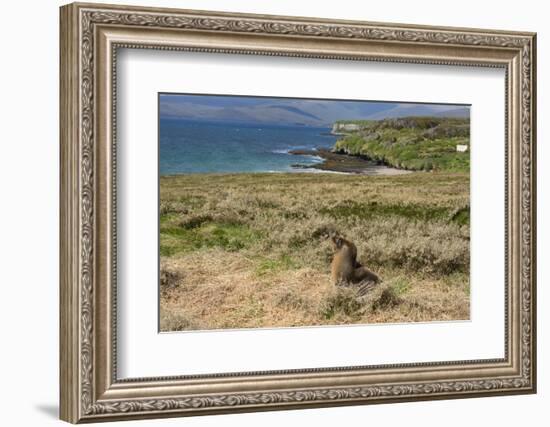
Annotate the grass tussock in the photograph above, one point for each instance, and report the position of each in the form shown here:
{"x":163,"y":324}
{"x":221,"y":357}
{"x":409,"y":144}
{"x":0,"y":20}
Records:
{"x":252,"y":250}
{"x":169,"y":278}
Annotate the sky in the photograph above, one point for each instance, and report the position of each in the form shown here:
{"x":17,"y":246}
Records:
{"x":293,"y":111}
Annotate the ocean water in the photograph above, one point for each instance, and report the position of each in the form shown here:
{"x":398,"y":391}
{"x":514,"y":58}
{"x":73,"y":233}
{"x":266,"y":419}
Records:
{"x":215,"y":147}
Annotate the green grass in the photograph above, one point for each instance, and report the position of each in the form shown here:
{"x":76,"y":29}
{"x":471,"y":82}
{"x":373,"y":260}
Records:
{"x":415,"y":143}
{"x":180,"y":238}
{"x":349,"y":208}
{"x":400,"y":286}
{"x":269,"y":265}
{"x":461,"y":216}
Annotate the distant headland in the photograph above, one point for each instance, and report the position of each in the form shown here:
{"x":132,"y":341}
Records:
{"x":422,"y":143}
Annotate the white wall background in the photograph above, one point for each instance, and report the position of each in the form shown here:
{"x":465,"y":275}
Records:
{"x":29,"y":170}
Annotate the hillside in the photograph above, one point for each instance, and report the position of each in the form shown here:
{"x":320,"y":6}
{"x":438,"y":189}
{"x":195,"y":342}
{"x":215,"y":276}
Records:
{"x":252,"y":250}
{"x":413,"y":143}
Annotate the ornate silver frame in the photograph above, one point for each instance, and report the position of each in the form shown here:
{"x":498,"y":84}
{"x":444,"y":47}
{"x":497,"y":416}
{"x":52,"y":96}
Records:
{"x":90,"y":36}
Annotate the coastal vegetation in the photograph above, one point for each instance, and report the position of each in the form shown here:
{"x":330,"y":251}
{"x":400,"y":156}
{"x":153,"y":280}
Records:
{"x":252,"y":249}
{"x":412,"y":143}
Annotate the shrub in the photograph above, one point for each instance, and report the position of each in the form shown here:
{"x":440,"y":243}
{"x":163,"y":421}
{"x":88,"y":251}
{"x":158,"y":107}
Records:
{"x":195,"y":221}
{"x":343,"y":301}
{"x":169,"y":278}
{"x":387,"y":298}
{"x":177,"y":321}
{"x":291,"y":299}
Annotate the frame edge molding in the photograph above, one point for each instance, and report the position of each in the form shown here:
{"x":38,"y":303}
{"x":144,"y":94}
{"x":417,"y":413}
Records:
{"x":77,"y":202}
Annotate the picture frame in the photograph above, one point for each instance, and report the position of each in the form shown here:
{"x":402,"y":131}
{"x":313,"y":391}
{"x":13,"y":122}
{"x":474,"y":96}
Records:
{"x":91,"y":35}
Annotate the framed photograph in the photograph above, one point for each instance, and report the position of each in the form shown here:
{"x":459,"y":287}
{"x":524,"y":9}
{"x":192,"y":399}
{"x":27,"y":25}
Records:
{"x":266,"y":212}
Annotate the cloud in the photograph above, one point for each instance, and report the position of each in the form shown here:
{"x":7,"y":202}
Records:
{"x":311,"y":112}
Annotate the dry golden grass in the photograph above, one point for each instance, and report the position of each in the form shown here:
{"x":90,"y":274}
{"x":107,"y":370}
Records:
{"x":250,"y":250}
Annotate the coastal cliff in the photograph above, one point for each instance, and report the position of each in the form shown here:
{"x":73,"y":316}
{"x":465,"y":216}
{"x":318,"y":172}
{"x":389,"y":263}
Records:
{"x":412,"y":143}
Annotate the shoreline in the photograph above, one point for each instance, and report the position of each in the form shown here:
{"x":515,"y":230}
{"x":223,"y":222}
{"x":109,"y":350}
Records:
{"x":344,"y":163}
{"x":327,"y":162}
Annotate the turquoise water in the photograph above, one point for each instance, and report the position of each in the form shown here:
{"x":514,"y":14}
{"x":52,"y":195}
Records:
{"x":215,"y":147}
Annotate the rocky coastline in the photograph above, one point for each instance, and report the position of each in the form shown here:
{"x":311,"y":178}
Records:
{"x":344,"y":163}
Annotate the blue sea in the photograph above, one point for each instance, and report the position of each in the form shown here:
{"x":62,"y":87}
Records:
{"x":216,"y":147}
